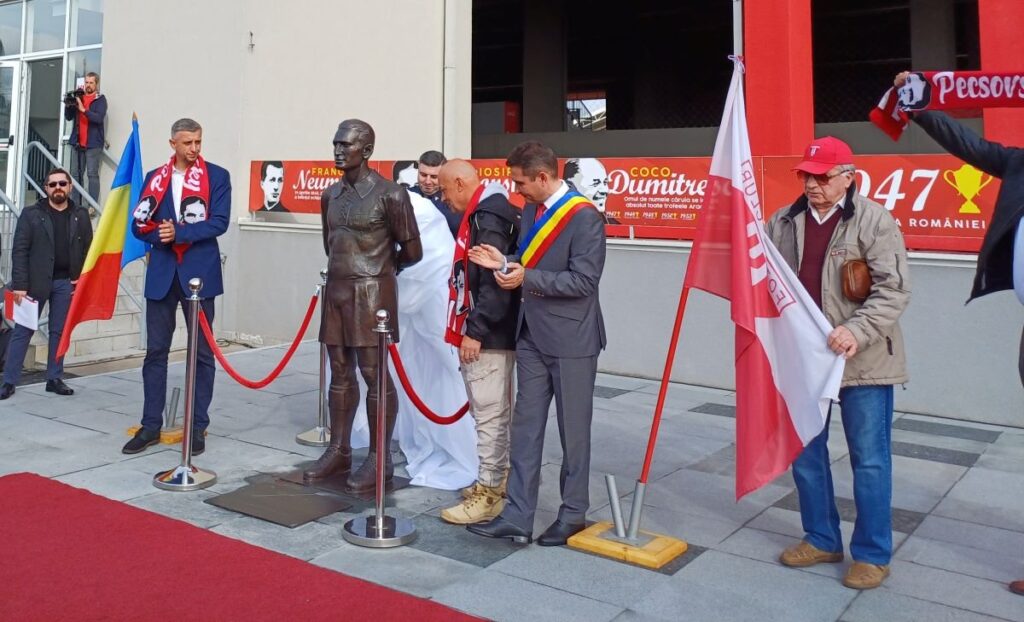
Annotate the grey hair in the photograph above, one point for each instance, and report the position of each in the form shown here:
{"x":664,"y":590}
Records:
{"x":185,"y":125}
{"x":847,"y":168}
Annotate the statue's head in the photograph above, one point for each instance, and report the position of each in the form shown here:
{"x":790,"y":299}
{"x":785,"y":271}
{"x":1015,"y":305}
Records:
{"x":353,"y":144}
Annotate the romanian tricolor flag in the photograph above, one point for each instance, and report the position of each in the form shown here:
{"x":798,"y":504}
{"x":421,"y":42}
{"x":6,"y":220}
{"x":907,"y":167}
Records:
{"x":548,"y":227}
{"x":113,"y":245}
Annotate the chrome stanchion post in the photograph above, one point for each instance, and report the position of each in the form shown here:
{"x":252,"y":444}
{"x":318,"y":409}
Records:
{"x":380,"y":531}
{"x":186,"y":476}
{"x":320,"y":435}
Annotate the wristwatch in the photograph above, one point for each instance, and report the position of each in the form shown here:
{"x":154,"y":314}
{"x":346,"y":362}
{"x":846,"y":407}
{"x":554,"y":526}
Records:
{"x":504,"y":265}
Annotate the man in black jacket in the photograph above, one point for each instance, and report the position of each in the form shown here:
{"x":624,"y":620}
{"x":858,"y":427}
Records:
{"x":50,"y":244}
{"x":87,"y":113}
{"x":482,"y":324}
{"x":1001,"y":259}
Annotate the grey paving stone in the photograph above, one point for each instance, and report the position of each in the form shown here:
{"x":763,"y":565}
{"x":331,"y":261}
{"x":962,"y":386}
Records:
{"x":608,"y":392}
{"x":189,"y":507}
{"x":624,"y":382}
{"x":954,"y":590}
{"x":126,"y":479}
{"x":454,"y":542}
{"x":980,"y":537}
{"x":1002,"y":566}
{"x":677,"y":522}
{"x":419,"y":499}
{"x":591,"y":576}
{"x":917,"y":485}
{"x":306,"y":542}
{"x":943,"y":442}
{"x":787,"y":522}
{"x":945,"y":429}
{"x":884,"y":604}
{"x":719,"y":586}
{"x":404,"y":568}
{"x":105,"y":421}
{"x":905,"y":521}
{"x":766,"y":546}
{"x":710,"y":495}
{"x":678,"y":390}
{"x":935,"y":454}
{"x":500,"y":597}
{"x":710,"y":408}
{"x":1003,"y":457}
{"x":988,"y":497}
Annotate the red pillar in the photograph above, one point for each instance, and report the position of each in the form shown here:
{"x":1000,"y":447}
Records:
{"x":1002,"y":49}
{"x":779,"y":80}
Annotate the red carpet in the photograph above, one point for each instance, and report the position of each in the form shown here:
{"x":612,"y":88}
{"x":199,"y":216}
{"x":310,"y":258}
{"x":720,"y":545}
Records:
{"x":67,"y":554}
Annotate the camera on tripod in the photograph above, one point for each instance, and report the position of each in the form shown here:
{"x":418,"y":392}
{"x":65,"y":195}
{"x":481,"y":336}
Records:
{"x":70,"y":96}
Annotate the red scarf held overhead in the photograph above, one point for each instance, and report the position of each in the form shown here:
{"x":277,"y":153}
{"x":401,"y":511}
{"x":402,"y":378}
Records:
{"x":197,"y":184}
{"x":946,"y":90}
{"x":83,"y":121}
{"x":460,"y":296}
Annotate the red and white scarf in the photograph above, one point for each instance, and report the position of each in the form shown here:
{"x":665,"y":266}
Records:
{"x":460,"y":296}
{"x":197,"y":184}
{"x":946,"y":90}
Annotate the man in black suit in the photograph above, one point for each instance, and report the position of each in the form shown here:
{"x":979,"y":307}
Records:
{"x":560,"y":332}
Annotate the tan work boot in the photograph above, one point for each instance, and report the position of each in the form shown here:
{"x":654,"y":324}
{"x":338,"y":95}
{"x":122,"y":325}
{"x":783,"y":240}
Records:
{"x":469,"y":491}
{"x":483,"y":506}
{"x":806,"y":554}
{"x":864,"y":576}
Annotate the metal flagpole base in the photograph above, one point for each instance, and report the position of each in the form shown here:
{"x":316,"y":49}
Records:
{"x":362,"y":531}
{"x":182,"y":478}
{"x":314,"y":437}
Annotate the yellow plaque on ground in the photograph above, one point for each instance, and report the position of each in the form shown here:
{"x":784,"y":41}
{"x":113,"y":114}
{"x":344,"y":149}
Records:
{"x":655,"y":553}
{"x":168,"y":436}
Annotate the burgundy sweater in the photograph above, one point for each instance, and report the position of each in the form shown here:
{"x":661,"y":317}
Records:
{"x":816,"y":239}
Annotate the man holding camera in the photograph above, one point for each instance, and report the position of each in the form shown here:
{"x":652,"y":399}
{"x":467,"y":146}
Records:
{"x":86,"y":108}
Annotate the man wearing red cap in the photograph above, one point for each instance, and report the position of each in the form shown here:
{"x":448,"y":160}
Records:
{"x":830,"y":225}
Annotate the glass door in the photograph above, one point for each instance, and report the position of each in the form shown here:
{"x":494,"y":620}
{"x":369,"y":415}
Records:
{"x":10,"y":95}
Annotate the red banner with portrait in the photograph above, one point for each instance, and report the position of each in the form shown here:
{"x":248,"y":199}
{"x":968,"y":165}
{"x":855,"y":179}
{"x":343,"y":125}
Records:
{"x":940,"y":203}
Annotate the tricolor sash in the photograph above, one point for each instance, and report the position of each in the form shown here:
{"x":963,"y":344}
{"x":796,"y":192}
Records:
{"x":547,"y":229}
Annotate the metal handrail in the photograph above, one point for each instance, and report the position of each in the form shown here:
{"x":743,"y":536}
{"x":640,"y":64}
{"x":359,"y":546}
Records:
{"x":56,"y":164}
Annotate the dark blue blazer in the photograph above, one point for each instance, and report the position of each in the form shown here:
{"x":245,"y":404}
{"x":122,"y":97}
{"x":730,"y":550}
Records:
{"x":202,"y":259}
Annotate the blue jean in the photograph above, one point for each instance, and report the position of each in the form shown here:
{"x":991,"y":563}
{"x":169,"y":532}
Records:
{"x":60,"y":302}
{"x":867,"y":421}
{"x":160,"y":323}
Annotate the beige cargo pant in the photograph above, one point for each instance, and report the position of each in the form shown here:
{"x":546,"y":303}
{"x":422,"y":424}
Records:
{"x":489,"y":387}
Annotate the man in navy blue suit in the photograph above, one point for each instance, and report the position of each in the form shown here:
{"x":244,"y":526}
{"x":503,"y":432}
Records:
{"x":184,"y":246}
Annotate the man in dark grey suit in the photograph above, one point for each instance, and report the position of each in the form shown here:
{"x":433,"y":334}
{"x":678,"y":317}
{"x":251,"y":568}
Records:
{"x":559,"y":335}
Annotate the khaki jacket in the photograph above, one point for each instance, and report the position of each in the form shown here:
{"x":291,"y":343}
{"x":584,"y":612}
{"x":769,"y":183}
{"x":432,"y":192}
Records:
{"x":866,"y":231}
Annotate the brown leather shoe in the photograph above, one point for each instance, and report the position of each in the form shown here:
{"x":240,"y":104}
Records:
{"x":334,"y":460}
{"x":1017,"y":587}
{"x":806,"y":554}
{"x":864,"y":576}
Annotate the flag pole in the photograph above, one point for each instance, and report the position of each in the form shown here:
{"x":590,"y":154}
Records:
{"x":737,"y":27}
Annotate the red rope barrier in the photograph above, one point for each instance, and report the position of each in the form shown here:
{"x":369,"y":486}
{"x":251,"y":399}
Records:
{"x":429,"y":414}
{"x":256,"y":384}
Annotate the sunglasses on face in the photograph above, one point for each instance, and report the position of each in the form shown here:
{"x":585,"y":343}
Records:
{"x":821,"y":179}
{"x":56,"y":184}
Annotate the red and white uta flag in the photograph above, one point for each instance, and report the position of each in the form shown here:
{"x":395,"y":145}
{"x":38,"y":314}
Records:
{"x":786,"y":375}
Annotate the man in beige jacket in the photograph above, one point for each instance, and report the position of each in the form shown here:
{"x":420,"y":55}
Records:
{"x":825,"y":228}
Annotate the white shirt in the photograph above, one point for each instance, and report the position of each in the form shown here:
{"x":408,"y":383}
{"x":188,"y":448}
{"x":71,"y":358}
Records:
{"x":835,"y":208}
{"x":177,"y":184}
{"x":557,"y":196}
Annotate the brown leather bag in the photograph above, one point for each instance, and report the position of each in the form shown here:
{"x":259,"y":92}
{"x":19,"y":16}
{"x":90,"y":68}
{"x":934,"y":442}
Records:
{"x":856,"y":280}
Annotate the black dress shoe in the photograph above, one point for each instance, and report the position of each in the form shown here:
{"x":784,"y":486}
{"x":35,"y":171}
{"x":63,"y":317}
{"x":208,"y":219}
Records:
{"x":57,"y":386}
{"x":559,"y":532}
{"x":198,"y":443}
{"x":143,"y":438}
{"x":6,"y":390}
{"x":501,"y":528}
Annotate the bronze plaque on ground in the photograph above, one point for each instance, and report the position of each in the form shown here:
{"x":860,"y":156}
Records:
{"x":336,"y":484}
{"x":280,"y":502}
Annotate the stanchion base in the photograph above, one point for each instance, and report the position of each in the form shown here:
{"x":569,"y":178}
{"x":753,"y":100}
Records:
{"x":650,"y":550}
{"x":314,"y":437}
{"x":362,"y":531}
{"x":182,"y":478}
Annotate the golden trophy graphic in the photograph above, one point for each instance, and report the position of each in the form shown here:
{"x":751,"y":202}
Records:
{"x":968,"y":182}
